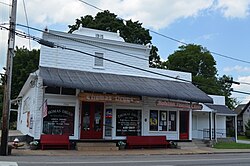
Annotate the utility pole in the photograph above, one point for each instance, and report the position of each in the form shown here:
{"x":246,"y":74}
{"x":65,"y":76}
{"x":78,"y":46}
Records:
{"x":7,"y":81}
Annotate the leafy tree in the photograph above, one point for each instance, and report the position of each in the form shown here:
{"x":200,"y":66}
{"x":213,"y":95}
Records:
{"x":24,"y":63}
{"x":131,"y":32}
{"x":199,"y":61}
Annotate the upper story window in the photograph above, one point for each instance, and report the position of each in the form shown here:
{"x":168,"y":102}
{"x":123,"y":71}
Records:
{"x":98,"y":62}
{"x":99,"y":36}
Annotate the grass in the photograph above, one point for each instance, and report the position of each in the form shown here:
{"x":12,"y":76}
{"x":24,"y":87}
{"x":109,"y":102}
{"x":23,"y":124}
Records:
{"x":231,"y":145}
{"x":242,"y":137}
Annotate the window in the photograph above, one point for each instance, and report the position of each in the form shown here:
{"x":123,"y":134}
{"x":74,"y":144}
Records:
{"x":60,"y":90}
{"x":60,"y":120}
{"x":162,"y":120}
{"x":128,"y":122}
{"x":98,"y":59}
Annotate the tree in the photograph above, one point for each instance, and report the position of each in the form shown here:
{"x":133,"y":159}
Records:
{"x":24,"y":63}
{"x":131,"y":32}
{"x":199,"y":61}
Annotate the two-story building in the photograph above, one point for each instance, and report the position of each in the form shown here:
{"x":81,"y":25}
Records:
{"x":96,"y":86}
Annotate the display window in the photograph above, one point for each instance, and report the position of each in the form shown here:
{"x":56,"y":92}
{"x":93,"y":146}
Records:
{"x":59,"y":120}
{"x":162,"y":120}
{"x":128,"y":122}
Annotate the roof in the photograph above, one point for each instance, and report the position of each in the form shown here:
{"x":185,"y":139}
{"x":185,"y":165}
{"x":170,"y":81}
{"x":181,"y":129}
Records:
{"x":221,"y":109}
{"x":123,"y":84}
{"x":240,"y":109}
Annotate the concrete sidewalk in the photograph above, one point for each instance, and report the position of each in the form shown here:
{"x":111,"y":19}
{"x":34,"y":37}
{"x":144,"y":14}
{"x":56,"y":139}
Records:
{"x":205,"y":150}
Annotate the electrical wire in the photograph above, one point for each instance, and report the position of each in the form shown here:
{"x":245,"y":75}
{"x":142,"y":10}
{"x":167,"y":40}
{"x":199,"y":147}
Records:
{"x":81,"y":41}
{"x":53,"y":45}
{"x":176,"y":40}
{"x":5,"y":4}
{"x":27,"y":21}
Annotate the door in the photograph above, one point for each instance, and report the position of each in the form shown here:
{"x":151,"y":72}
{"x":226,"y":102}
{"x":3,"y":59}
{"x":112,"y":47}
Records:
{"x":184,"y":125}
{"x":92,"y":120}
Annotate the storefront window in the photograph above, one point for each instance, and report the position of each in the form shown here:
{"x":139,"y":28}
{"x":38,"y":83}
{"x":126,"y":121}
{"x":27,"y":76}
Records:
{"x":153,"y":123}
{"x":60,"y":120}
{"x":128,"y":122}
{"x":172,"y":121}
{"x":162,"y":120}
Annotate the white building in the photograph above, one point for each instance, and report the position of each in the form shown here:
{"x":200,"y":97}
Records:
{"x":214,"y":120}
{"x":100,"y":87}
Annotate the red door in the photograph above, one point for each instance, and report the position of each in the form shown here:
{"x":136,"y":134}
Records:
{"x":184,"y":125}
{"x":92,"y":120}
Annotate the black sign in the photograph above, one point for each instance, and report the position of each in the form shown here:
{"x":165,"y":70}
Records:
{"x":60,"y":120}
{"x":128,"y":122}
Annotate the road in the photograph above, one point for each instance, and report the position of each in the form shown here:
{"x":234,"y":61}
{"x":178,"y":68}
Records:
{"x":231,"y":159}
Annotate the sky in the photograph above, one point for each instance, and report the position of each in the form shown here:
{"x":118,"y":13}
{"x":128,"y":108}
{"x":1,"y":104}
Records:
{"x":221,"y":26}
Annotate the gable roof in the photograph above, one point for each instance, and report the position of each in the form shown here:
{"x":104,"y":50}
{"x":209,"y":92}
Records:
{"x":240,"y":109}
{"x":221,"y":109}
{"x":123,"y":84}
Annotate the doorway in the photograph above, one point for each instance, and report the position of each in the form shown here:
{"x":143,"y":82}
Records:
{"x":184,"y":125}
{"x":92,"y":120}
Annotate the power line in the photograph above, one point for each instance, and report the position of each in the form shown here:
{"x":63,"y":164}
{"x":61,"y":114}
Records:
{"x":81,"y":41}
{"x":27,"y":21}
{"x":176,"y":40}
{"x":53,"y":45}
{"x":5,"y":4}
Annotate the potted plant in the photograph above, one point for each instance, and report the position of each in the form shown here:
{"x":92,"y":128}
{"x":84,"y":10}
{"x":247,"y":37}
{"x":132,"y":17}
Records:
{"x":121,"y":145}
{"x":33,"y":145}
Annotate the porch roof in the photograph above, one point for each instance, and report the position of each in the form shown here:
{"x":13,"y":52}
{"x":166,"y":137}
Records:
{"x":123,"y":84}
{"x":221,"y":109}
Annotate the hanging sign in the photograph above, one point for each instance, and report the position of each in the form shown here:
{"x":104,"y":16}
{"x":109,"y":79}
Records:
{"x":96,"y":97}
{"x":194,"y":106}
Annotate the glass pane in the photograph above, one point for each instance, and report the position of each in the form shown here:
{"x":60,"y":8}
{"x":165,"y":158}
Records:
{"x":153,"y":122}
{"x":86,"y":117}
{"x":163,"y":120}
{"x":172,"y":121}
{"x":97,"y":118}
{"x":108,"y":123}
{"x":128,"y":122}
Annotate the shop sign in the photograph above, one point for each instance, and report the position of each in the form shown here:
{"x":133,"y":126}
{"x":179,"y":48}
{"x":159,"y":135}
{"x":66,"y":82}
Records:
{"x":96,"y":97}
{"x":194,"y":106}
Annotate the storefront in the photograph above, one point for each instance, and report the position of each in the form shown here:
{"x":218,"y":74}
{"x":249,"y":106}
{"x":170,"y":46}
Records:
{"x":89,"y":98}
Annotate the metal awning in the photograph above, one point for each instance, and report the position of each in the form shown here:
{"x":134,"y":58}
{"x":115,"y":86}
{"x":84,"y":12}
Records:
{"x":221,"y":109}
{"x":123,"y":84}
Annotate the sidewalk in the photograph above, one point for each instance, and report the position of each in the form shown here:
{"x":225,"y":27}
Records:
{"x":28,"y":152}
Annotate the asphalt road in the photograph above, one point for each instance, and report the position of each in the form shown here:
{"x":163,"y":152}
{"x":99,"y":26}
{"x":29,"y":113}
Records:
{"x":231,"y":159}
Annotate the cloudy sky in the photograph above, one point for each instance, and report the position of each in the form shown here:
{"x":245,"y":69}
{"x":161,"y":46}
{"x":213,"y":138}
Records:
{"x":222,"y":26}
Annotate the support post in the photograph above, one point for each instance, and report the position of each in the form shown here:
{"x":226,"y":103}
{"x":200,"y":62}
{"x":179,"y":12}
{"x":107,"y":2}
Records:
{"x":7,"y":81}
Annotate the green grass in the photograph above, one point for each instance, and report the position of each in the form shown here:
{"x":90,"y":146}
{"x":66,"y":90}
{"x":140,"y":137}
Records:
{"x":231,"y":145}
{"x":242,"y":137}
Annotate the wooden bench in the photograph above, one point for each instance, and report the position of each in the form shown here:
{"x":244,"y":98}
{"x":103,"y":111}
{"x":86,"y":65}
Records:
{"x":48,"y":140}
{"x":147,"y":141}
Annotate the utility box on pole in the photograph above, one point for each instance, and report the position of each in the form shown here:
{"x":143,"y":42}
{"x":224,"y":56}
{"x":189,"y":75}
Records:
{"x":7,"y":81}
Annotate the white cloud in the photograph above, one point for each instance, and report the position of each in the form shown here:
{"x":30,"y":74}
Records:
{"x":243,"y":87}
{"x":156,"y":14}
{"x":233,"y":8}
{"x":237,"y":68}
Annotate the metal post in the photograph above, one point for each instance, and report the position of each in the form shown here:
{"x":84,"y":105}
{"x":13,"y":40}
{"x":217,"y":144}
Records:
{"x":7,"y":83}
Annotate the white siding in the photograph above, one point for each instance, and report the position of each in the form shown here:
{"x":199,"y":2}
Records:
{"x":135,"y":55}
